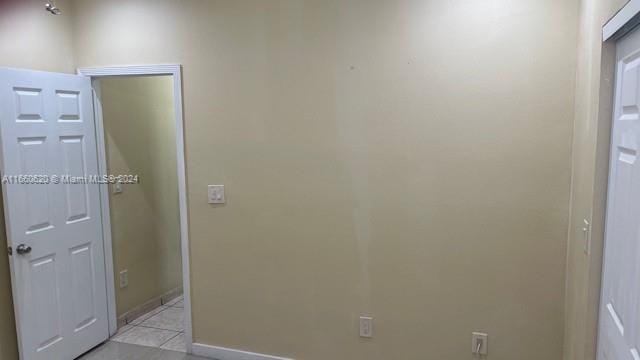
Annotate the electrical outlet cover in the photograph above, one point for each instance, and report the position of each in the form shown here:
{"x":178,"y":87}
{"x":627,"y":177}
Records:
{"x":124,"y":278}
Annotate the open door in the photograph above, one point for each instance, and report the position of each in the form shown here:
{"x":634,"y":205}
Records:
{"x":53,"y":221}
{"x":619,"y":335}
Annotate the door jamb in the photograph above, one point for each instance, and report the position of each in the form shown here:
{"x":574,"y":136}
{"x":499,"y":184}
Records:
{"x":174,"y":70}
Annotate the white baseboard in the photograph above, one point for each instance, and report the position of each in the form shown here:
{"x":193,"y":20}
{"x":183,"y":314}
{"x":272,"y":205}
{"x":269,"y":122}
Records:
{"x":220,"y":353}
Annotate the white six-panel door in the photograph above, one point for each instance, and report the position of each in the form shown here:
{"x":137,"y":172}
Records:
{"x":620,"y":304}
{"x":47,"y":128}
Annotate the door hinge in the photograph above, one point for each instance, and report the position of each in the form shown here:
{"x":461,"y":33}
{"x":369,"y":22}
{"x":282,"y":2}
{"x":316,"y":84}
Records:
{"x":10,"y":250}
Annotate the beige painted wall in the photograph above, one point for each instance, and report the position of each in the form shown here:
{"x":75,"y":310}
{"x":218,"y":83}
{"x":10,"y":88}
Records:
{"x":28,"y":39}
{"x":404,"y":159}
{"x":593,"y":111}
{"x":139,"y":123}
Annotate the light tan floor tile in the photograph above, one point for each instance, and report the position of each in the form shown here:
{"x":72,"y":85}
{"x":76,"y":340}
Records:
{"x":145,"y":336}
{"x":170,"y":319}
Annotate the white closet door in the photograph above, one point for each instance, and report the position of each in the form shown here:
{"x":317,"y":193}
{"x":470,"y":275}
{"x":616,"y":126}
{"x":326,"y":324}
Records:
{"x":54,"y":229}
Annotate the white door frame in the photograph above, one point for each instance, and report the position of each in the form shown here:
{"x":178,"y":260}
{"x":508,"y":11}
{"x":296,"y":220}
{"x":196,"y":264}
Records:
{"x":621,"y":19}
{"x":174,"y":70}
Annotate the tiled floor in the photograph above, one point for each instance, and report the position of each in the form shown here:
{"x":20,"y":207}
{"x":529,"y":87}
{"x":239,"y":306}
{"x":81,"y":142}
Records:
{"x":162,"y":327}
{"x":120,"y":351}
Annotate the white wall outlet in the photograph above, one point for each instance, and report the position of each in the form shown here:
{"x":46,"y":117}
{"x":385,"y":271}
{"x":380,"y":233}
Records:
{"x":479,"y":343}
{"x":117,"y":187}
{"x":216,"y":194}
{"x":366,"y":327}
{"x":124,"y":278}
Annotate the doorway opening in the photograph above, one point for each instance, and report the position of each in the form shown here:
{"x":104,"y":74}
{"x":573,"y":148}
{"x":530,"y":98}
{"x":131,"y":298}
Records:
{"x":139,"y":130}
{"x":139,"y":137}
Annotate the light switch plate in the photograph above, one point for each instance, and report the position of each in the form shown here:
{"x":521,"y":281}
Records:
{"x":117,"y":187}
{"x":479,"y":343}
{"x":216,"y":194}
{"x":366,"y":327}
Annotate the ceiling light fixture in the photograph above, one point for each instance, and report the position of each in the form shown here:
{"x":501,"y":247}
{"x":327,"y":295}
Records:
{"x":52,"y":8}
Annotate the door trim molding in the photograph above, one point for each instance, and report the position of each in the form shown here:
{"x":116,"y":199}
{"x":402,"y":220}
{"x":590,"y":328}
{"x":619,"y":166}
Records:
{"x":620,"y":19}
{"x":175,"y":70}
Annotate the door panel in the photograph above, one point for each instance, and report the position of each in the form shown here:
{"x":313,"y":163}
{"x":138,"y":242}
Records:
{"x":74,"y":165}
{"x":68,"y":106}
{"x":32,"y":153}
{"x":47,"y":129}
{"x":46,"y":298}
{"x":82,"y":286}
{"x":29,"y":105}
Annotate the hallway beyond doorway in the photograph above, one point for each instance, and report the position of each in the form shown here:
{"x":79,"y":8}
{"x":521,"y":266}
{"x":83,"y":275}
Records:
{"x":162,"y":327}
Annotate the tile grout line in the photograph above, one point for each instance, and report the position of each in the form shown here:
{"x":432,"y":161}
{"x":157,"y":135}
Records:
{"x":175,"y":336}
{"x":129,"y":329}
{"x":158,"y":328}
